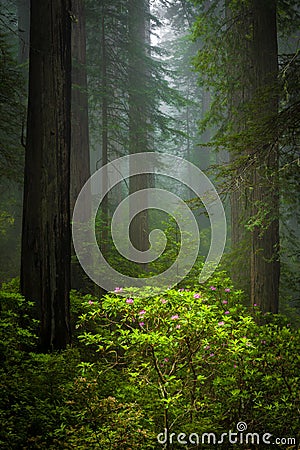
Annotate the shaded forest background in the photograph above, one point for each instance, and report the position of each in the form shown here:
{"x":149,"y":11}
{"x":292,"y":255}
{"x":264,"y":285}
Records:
{"x":83,"y":83}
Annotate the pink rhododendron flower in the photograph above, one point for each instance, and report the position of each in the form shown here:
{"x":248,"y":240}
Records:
{"x":90,"y":302}
{"x":175,"y":317}
{"x":226,"y":312}
{"x":163,"y":301}
{"x":141,"y":324}
{"x":221,"y":323}
{"x":213,"y":288}
{"x":225,"y":302}
{"x":129,"y":300}
{"x":142,"y":312}
{"x":207,"y":347}
{"x":197,"y":295}
{"x":227,"y":290}
{"x":255,"y":304}
{"x":212,"y":354}
{"x":178,"y":326}
{"x":118,"y":289}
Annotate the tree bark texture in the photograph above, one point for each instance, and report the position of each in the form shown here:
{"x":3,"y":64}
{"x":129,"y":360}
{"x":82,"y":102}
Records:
{"x":254,"y":198}
{"x":80,"y":155}
{"x":138,"y":141}
{"x":265,"y":267}
{"x":45,"y":259}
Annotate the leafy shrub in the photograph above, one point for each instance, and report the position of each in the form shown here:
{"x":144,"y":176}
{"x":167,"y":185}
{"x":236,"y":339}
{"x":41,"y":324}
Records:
{"x":189,"y":361}
{"x":200,"y":359}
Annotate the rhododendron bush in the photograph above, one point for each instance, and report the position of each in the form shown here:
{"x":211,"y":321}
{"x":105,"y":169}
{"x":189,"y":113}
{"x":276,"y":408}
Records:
{"x":198,"y":360}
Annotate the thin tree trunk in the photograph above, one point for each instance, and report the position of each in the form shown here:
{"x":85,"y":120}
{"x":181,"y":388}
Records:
{"x":138,"y":114}
{"x":240,"y":92}
{"x":45,"y":260}
{"x":104,"y":137}
{"x":80,"y":155}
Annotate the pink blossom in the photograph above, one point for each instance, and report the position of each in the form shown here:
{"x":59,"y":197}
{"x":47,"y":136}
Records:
{"x":175,"y":317}
{"x":141,"y":324}
{"x":207,"y":347}
{"x":226,"y":312}
{"x":163,"y":301}
{"x":129,"y":300}
{"x":90,"y":302}
{"x":142,"y":312}
{"x":235,"y":366}
{"x":212,"y":354}
{"x":225,"y":302}
{"x":221,"y":323}
{"x":178,"y":326}
{"x":180,"y":290}
{"x":255,"y":304}
{"x":227,"y":290}
{"x":118,"y":289}
{"x":263,"y":342}
{"x":213,"y":288}
{"x":197,"y":295}
{"x":166,"y":359}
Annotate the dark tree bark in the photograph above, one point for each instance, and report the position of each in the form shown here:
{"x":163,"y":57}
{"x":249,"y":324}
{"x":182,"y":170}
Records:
{"x":240,"y":92}
{"x":45,"y":259}
{"x":104,"y":133}
{"x":265,"y":267}
{"x":80,"y":156}
{"x":255,"y":198}
{"x":138,"y":141}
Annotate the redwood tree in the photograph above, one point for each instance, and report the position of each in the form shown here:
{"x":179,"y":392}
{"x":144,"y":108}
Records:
{"x":253,"y":102}
{"x":80,"y":155}
{"x":45,"y":259}
{"x":138,"y":108}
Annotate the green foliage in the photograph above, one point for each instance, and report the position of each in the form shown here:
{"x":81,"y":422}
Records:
{"x":200,"y":359}
{"x":189,"y":361}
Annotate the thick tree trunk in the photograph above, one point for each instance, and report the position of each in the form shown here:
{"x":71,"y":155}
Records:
{"x":265,"y":268}
{"x":80,"y":156}
{"x":255,"y":199}
{"x":45,"y":260}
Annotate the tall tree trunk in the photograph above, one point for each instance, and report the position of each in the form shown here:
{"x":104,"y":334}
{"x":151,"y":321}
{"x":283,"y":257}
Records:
{"x":239,"y":93}
{"x":265,"y":267}
{"x":104,"y":134}
{"x":80,"y":155}
{"x":254,"y":200}
{"x":138,"y":113}
{"x":45,"y":259}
